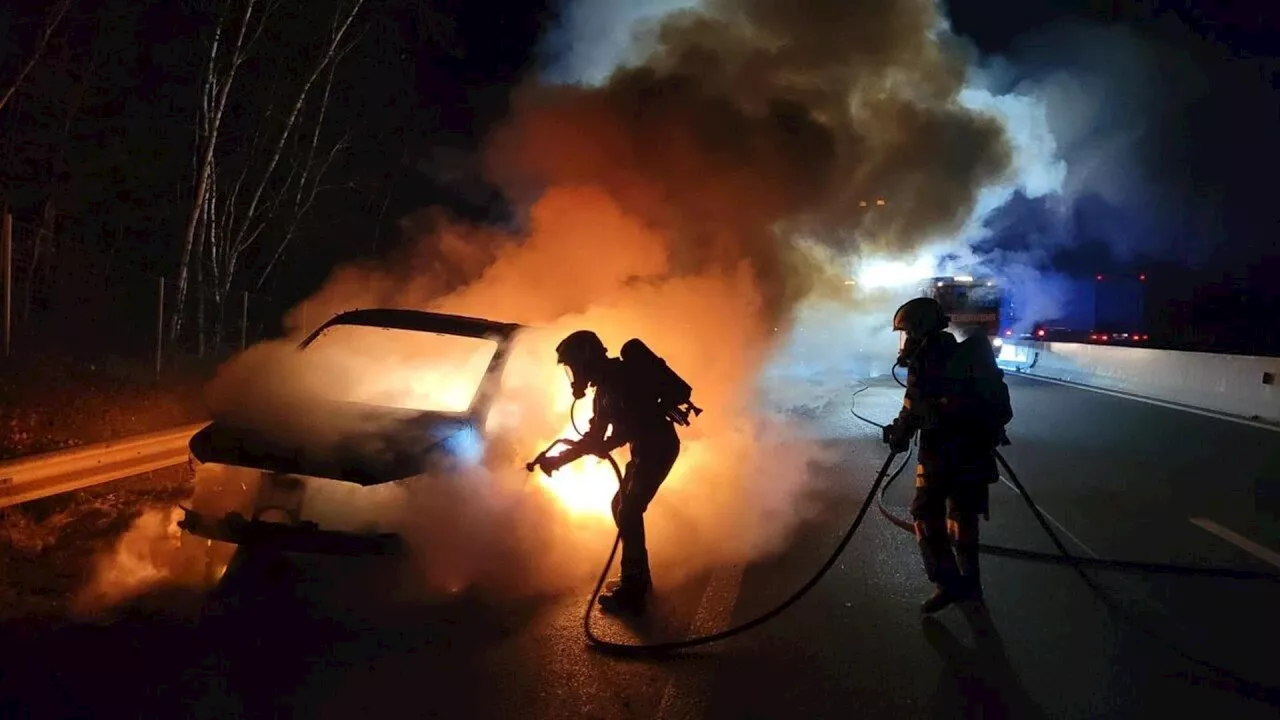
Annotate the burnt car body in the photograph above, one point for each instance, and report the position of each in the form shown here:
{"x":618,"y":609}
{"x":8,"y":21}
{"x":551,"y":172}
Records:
{"x":386,"y":445}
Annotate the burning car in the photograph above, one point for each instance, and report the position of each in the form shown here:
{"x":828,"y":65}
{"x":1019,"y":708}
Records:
{"x":354,"y":432}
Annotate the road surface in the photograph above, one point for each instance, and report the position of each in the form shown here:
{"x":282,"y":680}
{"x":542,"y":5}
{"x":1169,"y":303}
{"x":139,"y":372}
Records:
{"x":1121,"y":478}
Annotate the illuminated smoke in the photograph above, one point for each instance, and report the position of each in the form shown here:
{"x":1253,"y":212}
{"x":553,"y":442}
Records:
{"x":596,"y":37}
{"x":152,"y":555}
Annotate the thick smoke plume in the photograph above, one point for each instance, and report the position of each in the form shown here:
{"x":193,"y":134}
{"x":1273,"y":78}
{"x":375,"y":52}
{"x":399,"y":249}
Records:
{"x":755,"y":123}
{"x":701,"y":200}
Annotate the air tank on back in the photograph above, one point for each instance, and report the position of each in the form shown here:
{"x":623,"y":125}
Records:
{"x":675,"y":395}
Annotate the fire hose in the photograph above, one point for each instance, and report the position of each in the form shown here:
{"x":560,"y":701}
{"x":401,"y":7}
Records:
{"x":1065,"y":556}
{"x":879,"y":487}
{"x":677,"y":645}
{"x":1079,"y":564}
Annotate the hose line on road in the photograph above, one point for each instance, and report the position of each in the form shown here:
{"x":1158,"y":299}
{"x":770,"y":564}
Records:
{"x":883,"y":480}
{"x":676,"y":645}
{"x":1064,"y":557}
{"x":1258,"y":690}
{"x":661,"y":648}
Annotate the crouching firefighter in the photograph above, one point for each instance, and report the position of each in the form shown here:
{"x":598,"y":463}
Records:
{"x":957,"y":399}
{"x":638,"y":401}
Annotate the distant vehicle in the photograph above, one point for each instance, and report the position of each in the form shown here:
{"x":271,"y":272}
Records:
{"x":1104,"y":309}
{"x":1120,"y":337}
{"x":973,"y":304}
{"x":1098,"y":309}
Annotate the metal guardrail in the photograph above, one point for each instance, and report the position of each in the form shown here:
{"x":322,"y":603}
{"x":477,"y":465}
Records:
{"x":38,"y":476}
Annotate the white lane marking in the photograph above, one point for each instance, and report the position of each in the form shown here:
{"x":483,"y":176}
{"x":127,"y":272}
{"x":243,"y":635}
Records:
{"x":1262,"y":553}
{"x":1152,"y":401}
{"x":1051,"y":519}
{"x":715,"y":610}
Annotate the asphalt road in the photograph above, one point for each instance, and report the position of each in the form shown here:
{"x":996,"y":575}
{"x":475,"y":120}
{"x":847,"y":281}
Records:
{"x":1121,"y":478}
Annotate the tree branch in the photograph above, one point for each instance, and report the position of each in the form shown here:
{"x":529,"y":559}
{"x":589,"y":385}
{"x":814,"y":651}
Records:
{"x":340,"y":26}
{"x":60,"y":11}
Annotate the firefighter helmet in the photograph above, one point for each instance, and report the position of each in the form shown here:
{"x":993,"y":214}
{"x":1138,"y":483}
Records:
{"x":920,"y":317}
{"x":580,"y":348}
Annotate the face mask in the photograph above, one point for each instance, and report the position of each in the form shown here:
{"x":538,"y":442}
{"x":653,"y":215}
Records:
{"x":907,"y":348}
{"x":576,"y":383}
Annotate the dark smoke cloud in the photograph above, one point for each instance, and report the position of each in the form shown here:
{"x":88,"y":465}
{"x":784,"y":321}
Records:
{"x":756,"y":117}
{"x":1164,"y":136}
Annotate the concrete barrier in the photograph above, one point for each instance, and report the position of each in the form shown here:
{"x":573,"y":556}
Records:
{"x":1016,"y":356}
{"x":1240,"y":385}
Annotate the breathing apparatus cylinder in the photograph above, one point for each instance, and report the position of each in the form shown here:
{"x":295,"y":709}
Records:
{"x":674,"y":394}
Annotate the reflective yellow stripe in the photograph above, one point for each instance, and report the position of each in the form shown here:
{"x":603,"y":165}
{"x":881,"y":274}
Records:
{"x":920,"y":476}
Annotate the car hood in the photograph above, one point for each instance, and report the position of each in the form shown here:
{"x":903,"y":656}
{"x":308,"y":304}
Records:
{"x":363,"y":444}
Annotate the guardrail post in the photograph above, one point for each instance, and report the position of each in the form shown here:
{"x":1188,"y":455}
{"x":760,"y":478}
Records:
{"x":160,"y":329}
{"x":6,"y":257}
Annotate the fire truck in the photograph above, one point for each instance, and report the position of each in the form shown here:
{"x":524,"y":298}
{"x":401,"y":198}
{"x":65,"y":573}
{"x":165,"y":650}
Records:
{"x":1097,"y":309}
{"x":973,"y":304}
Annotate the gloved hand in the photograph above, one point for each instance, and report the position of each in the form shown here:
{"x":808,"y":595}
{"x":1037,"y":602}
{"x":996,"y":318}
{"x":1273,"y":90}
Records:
{"x":896,"y":437}
{"x":549,"y":465}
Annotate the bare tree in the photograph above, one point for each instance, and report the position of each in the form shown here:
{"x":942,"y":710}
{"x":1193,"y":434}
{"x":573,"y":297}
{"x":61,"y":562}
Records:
{"x":216,"y":89}
{"x":277,"y":194}
{"x":59,"y":11}
{"x":309,"y":173}
{"x":276,"y":169}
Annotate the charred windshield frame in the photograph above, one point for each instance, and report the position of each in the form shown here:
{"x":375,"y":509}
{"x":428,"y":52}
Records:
{"x":439,"y":323}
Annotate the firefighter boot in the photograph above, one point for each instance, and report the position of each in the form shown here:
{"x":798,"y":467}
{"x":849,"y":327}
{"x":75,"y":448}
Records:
{"x":945,"y":595}
{"x":614,"y":583}
{"x":940,"y":567}
{"x":629,"y":597}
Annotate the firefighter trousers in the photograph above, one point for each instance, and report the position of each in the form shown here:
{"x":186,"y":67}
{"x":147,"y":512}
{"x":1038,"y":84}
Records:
{"x":945,"y":511}
{"x":651,"y":461}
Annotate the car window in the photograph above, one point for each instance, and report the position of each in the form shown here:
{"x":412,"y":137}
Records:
{"x":402,"y":368}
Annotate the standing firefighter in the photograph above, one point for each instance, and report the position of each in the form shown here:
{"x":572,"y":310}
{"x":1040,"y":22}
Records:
{"x":638,"y":400}
{"x":956,"y":398}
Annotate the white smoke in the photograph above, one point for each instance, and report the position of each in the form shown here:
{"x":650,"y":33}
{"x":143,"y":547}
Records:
{"x":598,"y":36}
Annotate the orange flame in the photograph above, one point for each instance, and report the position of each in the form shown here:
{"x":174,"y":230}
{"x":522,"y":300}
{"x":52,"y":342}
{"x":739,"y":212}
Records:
{"x":584,"y":489}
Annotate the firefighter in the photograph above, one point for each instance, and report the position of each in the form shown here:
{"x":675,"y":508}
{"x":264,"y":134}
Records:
{"x":959,"y":405}
{"x":627,"y":408}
